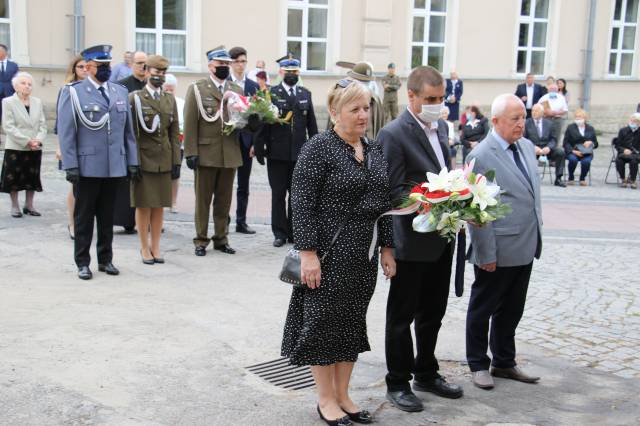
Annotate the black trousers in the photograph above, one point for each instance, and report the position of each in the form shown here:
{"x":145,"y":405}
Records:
{"x":632,"y":160}
{"x":557,"y":158}
{"x":498,"y":296}
{"x":418,"y":293}
{"x":242,"y":191}
{"x":280,"y":174}
{"x":124,"y":215}
{"x":95,"y":197}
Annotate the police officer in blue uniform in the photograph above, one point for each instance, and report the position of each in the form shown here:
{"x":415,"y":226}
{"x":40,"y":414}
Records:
{"x":98,"y":150}
{"x":281,"y":144}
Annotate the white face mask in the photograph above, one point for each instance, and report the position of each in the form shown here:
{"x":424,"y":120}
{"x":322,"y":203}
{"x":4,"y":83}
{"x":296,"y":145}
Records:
{"x":579,"y":122}
{"x":431,"y":113}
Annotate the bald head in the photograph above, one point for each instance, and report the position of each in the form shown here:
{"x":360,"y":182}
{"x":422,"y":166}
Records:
{"x":537,"y":111}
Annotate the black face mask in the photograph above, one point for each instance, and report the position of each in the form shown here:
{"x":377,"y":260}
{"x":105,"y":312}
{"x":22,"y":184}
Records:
{"x":222,"y":72}
{"x":290,"y":79}
{"x":157,"y":80}
{"x":103,"y":73}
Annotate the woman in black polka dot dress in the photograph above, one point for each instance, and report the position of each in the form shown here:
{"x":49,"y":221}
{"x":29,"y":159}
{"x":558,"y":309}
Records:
{"x":339,"y":177}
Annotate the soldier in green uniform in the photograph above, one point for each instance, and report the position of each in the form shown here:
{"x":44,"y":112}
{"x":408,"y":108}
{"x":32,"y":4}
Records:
{"x":390,"y":83}
{"x":156,"y":126}
{"x":212,"y":155}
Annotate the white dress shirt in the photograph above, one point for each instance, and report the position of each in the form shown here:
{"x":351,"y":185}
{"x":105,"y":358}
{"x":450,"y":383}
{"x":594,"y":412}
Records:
{"x":432,"y":135}
{"x":557,"y":102}
{"x":239,"y":82}
{"x":529,"y":96}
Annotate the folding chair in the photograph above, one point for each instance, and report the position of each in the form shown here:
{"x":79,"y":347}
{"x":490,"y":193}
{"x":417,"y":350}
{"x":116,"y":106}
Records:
{"x":614,"y":157}
{"x":543,"y":162}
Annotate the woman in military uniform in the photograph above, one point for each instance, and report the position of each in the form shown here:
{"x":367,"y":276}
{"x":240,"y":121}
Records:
{"x":155,"y":123}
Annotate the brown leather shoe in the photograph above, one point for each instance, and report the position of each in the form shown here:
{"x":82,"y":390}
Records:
{"x":514,"y":373}
{"x":583,"y":183}
{"x":482,"y":379}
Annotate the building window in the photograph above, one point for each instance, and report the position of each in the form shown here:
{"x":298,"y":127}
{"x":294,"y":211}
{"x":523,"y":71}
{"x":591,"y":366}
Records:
{"x":427,"y":40}
{"x":623,"y":38}
{"x":532,"y":36}
{"x":161,"y":29}
{"x":307,"y":22}
{"x":5,"y":24}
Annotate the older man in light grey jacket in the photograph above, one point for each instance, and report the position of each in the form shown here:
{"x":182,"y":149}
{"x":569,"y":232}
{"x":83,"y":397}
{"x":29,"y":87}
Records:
{"x":503,"y":251}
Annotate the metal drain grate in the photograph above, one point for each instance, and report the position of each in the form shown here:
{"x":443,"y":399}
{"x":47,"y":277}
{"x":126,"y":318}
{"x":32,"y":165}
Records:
{"x":282,"y":374}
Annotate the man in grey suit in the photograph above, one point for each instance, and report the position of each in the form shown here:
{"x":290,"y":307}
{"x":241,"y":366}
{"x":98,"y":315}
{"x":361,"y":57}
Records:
{"x":503,"y":251}
{"x":98,"y":150}
{"x":413,"y":144}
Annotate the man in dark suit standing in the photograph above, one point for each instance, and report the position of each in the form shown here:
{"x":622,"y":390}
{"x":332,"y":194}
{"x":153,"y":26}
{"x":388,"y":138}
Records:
{"x":281,"y":144}
{"x":530,"y":93}
{"x":539,"y":130}
{"x":8,"y":70}
{"x":250,"y":87}
{"x":453,"y":95}
{"x":414,"y":144}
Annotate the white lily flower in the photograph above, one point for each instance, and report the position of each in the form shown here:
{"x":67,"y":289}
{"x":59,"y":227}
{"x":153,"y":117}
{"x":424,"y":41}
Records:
{"x":483,"y":194}
{"x":450,"y":222}
{"x":438,"y":182}
{"x":458,"y":181}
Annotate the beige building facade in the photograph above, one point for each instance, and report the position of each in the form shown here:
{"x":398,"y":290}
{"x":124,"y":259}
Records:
{"x":490,"y":43}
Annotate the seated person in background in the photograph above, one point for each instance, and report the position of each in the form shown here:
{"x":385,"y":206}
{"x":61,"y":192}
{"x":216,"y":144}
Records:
{"x":579,"y":142}
{"x":539,"y":131}
{"x":444,"y":115}
{"x":628,"y":146}
{"x":475,"y":129}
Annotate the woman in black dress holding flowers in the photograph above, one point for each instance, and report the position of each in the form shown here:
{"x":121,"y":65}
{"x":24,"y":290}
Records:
{"x":340,"y":178}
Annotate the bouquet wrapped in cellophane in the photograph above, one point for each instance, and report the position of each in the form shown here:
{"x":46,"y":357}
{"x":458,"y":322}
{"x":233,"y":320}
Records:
{"x":251,"y":111}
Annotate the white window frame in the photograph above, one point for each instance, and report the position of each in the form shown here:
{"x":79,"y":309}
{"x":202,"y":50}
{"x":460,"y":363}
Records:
{"x":159,"y":32}
{"x":621,"y":25}
{"x":531,"y":20}
{"x":426,"y":13}
{"x":304,"y":5}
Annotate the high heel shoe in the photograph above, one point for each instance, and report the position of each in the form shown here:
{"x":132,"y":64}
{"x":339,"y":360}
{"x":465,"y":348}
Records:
{"x":156,"y":259}
{"x":344,"y":421}
{"x":146,"y":261}
{"x":30,"y":212}
{"x":70,"y":233}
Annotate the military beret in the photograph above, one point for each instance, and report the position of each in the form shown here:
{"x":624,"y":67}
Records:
{"x":158,"y":62}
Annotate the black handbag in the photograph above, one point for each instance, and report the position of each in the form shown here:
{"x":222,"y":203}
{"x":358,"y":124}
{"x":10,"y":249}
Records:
{"x":585,"y":150}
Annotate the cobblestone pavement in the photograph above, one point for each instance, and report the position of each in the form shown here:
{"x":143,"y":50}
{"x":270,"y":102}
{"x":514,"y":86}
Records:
{"x":582,"y":318}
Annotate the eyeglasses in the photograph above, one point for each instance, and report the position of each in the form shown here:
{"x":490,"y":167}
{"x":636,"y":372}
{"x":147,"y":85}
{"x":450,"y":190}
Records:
{"x":343,"y":83}
{"x":140,"y":63}
{"x":80,"y":67}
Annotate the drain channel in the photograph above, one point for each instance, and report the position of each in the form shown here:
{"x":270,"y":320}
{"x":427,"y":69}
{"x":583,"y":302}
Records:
{"x":281,"y":373}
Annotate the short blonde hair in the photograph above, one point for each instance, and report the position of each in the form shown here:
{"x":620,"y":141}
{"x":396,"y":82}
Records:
{"x":340,"y":96}
{"x":584,"y":113}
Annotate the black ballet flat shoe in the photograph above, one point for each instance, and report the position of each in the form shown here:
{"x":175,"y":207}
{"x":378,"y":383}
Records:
{"x":16,"y":213}
{"x":363,"y":417}
{"x":147,"y":261}
{"x":344,"y":421}
{"x":30,"y":212}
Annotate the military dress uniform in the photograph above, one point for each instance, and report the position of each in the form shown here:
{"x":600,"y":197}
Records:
{"x":218,"y":154}
{"x":158,"y":146}
{"x":281,"y":144}
{"x":391,"y":84}
{"x":98,"y":148}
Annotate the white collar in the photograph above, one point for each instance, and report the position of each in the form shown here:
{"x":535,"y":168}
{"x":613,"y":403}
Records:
{"x":235,"y":79}
{"x":152,"y":91}
{"x":288,"y":88}
{"x":217,"y":83}
{"x":423,"y":125}
{"x":98,"y":85}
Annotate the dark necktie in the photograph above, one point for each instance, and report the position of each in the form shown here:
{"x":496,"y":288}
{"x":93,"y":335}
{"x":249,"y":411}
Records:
{"x":516,"y":157}
{"x":221,"y":88}
{"x":104,"y":94}
{"x":292,"y":93}
{"x":156,"y":96}
{"x":2,"y":67}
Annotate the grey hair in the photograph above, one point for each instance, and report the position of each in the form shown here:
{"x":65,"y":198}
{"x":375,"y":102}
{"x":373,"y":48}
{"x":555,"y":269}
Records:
{"x":500,"y":103}
{"x":635,"y":116}
{"x":18,"y":76}
{"x":171,"y":80}
{"x":445,"y":109}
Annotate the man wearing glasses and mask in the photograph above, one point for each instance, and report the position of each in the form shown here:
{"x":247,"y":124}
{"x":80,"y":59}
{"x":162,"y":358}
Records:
{"x":281,"y":144}
{"x":212,"y":155}
{"x":98,"y":150}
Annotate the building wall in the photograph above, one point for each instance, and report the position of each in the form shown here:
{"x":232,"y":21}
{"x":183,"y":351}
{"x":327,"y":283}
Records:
{"x":481,"y":38}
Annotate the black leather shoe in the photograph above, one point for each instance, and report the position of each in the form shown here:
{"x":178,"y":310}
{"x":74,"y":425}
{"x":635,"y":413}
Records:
{"x":405,"y":400}
{"x":225,"y":249}
{"x":201,"y":251}
{"x":30,"y":212}
{"x":84,"y":273}
{"x":108,"y":268}
{"x":244,"y":229}
{"x":440,"y":387}
{"x":129,"y":230}
{"x":344,"y":421}
{"x":560,"y":183}
{"x":363,"y":417}
{"x":279,"y":242}
{"x":147,"y":261}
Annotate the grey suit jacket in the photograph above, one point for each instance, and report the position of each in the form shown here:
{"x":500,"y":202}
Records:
{"x":97,"y":153}
{"x":517,"y":238}
{"x":21,"y":126}
{"x":409,"y":157}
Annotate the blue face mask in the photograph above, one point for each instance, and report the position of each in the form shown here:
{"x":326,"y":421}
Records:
{"x":633,"y":126}
{"x":468,"y":116}
{"x":553,"y":95}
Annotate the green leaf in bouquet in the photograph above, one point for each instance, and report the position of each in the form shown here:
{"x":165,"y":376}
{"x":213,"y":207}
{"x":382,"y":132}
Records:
{"x":490,"y":175}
